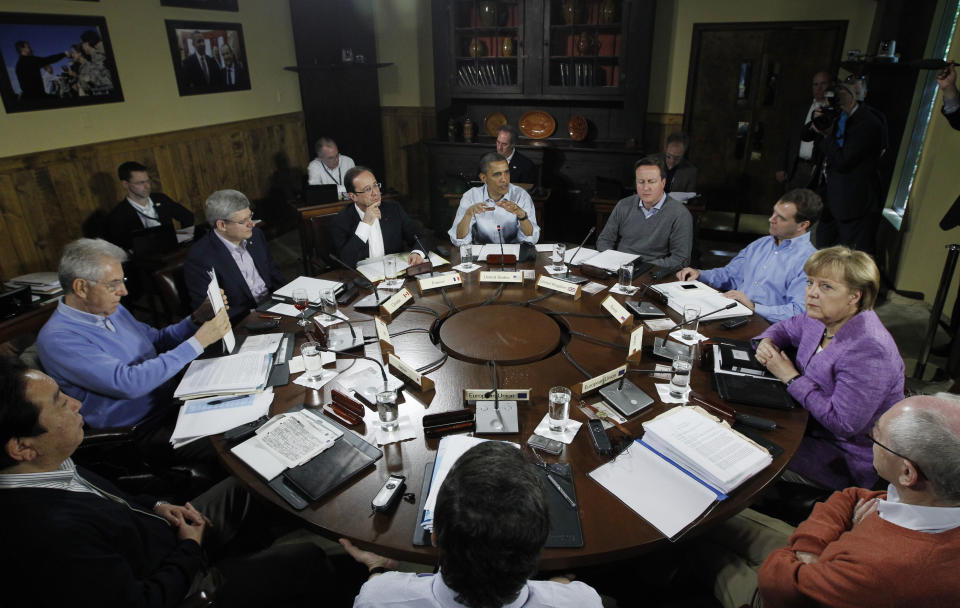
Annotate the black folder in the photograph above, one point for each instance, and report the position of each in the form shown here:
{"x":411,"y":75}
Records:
{"x":754,"y":391}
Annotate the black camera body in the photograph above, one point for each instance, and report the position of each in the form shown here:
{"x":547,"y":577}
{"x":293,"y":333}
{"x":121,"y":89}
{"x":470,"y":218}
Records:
{"x":829,"y":114}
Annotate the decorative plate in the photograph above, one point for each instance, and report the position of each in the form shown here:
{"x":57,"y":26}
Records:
{"x":577,"y":127}
{"x":493,"y":122}
{"x":537,"y":124}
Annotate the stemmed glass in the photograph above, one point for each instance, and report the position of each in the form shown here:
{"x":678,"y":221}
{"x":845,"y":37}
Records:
{"x":301,"y":302}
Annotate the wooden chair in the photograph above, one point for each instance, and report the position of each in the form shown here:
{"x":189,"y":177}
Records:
{"x":172,"y":288}
{"x":316,"y":242}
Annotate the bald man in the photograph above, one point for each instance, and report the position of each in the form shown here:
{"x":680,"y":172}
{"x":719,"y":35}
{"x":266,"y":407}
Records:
{"x":799,"y":159}
{"x":898,"y":547}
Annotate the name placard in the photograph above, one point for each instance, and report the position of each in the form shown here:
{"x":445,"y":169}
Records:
{"x":636,"y":344}
{"x":409,"y":372}
{"x":396,"y":301}
{"x":443,"y":280}
{"x":383,"y":334}
{"x":617,"y":311}
{"x":501,"y":276}
{"x":597,"y":381}
{"x":571,"y":289}
{"x":508,"y":394}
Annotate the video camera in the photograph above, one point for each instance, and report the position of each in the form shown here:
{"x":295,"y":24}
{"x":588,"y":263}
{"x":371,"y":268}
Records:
{"x":829,"y":113}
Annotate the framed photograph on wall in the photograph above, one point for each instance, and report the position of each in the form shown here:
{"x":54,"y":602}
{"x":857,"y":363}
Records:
{"x":208,"y":57}
{"x":210,"y":5}
{"x":56,"y":61}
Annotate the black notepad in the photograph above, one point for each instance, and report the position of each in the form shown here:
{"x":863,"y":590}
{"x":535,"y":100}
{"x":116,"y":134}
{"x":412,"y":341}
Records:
{"x":754,"y":391}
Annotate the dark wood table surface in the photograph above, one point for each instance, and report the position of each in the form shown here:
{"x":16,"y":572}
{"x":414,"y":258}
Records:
{"x":611,"y":530}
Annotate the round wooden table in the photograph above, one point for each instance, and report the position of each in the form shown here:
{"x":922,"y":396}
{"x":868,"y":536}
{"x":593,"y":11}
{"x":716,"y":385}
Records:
{"x":525,"y":339}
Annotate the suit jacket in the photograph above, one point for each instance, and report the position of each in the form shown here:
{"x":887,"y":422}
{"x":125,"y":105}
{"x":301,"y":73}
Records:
{"x":953,"y":118}
{"x":791,"y":147}
{"x":241,"y":76}
{"x":210,"y":252}
{"x":852,"y":171}
{"x":124,"y":219}
{"x":193,"y":73}
{"x":684,"y":176}
{"x":522,"y":169}
{"x":400,"y":233}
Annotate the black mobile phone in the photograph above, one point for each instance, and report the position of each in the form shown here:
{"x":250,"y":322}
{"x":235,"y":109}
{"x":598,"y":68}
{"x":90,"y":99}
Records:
{"x":550,"y":446}
{"x":735,"y":322}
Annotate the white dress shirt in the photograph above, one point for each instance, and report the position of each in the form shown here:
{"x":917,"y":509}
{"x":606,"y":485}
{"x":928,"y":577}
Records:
{"x":147,"y":214}
{"x":485,"y":224}
{"x":371,"y":235}
{"x":915,"y":517}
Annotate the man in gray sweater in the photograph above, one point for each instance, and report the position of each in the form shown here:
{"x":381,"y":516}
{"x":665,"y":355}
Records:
{"x":650,"y":223}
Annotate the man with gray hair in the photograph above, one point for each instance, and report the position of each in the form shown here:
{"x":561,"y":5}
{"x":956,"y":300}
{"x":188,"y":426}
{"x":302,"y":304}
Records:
{"x":329,"y":167}
{"x":899,"y":547}
{"x":119,"y":368}
{"x":237,"y":251}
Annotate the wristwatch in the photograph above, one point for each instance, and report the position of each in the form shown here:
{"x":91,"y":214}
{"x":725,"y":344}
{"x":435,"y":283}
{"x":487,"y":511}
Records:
{"x":522,"y":219}
{"x":790,"y":381}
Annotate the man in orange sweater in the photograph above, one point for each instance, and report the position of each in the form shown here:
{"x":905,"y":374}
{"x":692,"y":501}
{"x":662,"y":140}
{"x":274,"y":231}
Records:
{"x":866,"y":548}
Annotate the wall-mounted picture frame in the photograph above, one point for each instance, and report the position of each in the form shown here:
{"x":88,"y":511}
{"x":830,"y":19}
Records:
{"x":56,"y":61}
{"x":208,"y":57}
{"x":210,"y":5}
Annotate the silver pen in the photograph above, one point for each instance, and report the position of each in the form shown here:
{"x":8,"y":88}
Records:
{"x":563,"y":493}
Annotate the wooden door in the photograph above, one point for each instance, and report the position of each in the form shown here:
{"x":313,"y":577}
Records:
{"x":746,"y":83}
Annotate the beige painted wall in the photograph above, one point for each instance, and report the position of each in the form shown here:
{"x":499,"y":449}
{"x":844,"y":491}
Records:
{"x":674,"y":30}
{"x":404,"y":38}
{"x":151,"y":102}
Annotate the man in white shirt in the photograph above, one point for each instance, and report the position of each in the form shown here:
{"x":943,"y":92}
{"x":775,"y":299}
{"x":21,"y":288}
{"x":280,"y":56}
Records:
{"x":372,"y":227}
{"x":495,"y":210}
{"x":142,"y":208}
{"x":329,"y":167}
{"x":798,"y":161}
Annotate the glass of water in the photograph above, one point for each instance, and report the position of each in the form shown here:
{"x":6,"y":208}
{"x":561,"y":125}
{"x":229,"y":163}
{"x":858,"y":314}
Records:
{"x":559,"y":250}
{"x":466,"y":256}
{"x":559,"y":408}
{"x":328,"y":301}
{"x":680,"y":381}
{"x":312,"y":355}
{"x":389,"y":267}
{"x":625,"y":278}
{"x":388,"y":411}
{"x":691,"y":322}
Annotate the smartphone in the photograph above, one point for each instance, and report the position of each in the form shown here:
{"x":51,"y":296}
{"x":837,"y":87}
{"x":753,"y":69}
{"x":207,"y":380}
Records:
{"x":735,"y":322}
{"x":550,"y":446}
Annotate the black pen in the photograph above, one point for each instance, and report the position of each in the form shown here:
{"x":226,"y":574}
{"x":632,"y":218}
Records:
{"x":219,"y":401}
{"x":556,"y":484}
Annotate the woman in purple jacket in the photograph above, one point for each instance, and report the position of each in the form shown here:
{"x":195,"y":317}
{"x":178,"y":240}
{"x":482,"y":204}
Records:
{"x":845,"y":368}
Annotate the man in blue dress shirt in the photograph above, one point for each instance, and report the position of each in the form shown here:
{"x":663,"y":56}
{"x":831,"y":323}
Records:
{"x":497,"y":203}
{"x":119,"y":368}
{"x":767,"y":276}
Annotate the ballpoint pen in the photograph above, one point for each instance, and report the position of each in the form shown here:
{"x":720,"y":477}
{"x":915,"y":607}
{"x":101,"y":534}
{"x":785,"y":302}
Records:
{"x":219,"y":401}
{"x":556,"y":484}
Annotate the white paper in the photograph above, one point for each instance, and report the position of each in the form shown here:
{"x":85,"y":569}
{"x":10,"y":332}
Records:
{"x":666,"y":497}
{"x":584,"y":255}
{"x":565,"y":436}
{"x":286,"y":441}
{"x":494,"y":249}
{"x":592,"y":287}
{"x":311,"y":285}
{"x":405,"y":430}
{"x":612,"y":260}
{"x":197,"y":418}
{"x":618,"y":288}
{"x":678,"y":336}
{"x":368,"y":381}
{"x":216,"y":301}
{"x":544,"y":247}
{"x":372,"y":268}
{"x":683,"y":197}
{"x":261,"y":343}
{"x":663,"y":391}
{"x":185,"y":235}
{"x":327,"y":320}
{"x":287,"y":310}
{"x":606,"y":414}
{"x":465,"y":268}
{"x":658,"y":324}
{"x":530,"y":274}
{"x":240,"y":373}
{"x":550,"y":268}
{"x":694,"y":293}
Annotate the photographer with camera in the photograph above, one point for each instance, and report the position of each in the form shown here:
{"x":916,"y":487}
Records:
{"x":851,"y":142}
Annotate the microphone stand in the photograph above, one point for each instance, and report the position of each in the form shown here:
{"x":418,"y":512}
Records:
{"x":567,"y":276}
{"x":383,"y":371}
{"x":366,"y":284}
{"x":426,"y":252}
{"x":503,"y":417}
{"x":712,"y":312}
{"x":500,"y":236}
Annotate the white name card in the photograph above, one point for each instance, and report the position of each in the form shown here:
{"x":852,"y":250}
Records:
{"x":617,"y":311}
{"x":383,"y":334}
{"x":636,"y":344}
{"x":596,"y":382}
{"x":571,"y":289}
{"x":410,"y":373}
{"x":503,"y":394}
{"x":443,"y":280}
{"x":501,"y":276}
{"x":396,"y":301}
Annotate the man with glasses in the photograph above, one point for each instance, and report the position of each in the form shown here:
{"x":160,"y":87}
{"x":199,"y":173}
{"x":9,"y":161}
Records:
{"x":372,"y":227}
{"x":141,"y":208}
{"x":237,"y":251}
{"x":862,"y":547}
{"x":120,"y":369}
{"x":681,"y":173}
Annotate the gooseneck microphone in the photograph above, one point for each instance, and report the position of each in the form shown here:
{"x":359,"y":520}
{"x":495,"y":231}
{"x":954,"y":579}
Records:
{"x":500,"y":236}
{"x":363,"y":281}
{"x":577,"y":252}
{"x":707,"y":314}
{"x":383,"y":372}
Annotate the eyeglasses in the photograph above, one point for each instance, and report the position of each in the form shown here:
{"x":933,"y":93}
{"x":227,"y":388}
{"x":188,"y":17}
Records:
{"x":915,"y":465}
{"x":369,"y":189}
{"x":241,"y":222}
{"x":113,"y":286}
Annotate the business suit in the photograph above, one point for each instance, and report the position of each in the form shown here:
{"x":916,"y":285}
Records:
{"x":399,"y":231}
{"x":684,"y":178}
{"x":123,"y":219}
{"x":193,"y":72}
{"x":790,"y":154}
{"x":238,"y":79}
{"x":210,"y":252}
{"x":522,"y":169}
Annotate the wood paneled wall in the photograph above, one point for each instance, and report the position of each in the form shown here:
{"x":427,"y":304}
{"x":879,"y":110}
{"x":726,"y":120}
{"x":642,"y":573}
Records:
{"x":50,"y":198}
{"x":405,"y":156}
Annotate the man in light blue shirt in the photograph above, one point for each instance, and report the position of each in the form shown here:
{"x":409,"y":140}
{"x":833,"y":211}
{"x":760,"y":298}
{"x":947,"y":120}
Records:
{"x":490,"y":523}
{"x":497,"y":204}
{"x":767,"y":276}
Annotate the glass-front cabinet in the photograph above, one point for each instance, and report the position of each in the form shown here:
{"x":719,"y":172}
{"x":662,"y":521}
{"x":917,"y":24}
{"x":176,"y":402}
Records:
{"x":487,"y":42}
{"x":584,"y":43}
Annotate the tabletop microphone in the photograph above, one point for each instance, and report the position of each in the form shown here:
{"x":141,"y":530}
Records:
{"x":579,"y":247}
{"x":712,"y":312}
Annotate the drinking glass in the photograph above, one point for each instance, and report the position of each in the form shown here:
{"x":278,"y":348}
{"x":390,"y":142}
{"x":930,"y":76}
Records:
{"x":559,"y":250}
{"x":389,"y":267}
{"x":625,"y":278}
{"x":559,"y":408}
{"x":328,"y":301}
{"x":466,"y":256}
{"x":680,"y":381}
{"x":312,"y":355}
{"x":691,"y":322}
{"x":301,"y":302}
{"x":388,"y":411}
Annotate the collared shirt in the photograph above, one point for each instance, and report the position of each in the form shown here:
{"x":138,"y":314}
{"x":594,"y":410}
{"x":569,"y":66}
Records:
{"x":951,"y":105}
{"x":317,"y":173}
{"x":148,"y":215}
{"x":394,"y":589}
{"x":251,"y":276}
{"x":64,"y":478}
{"x":806,"y":147}
{"x":770,"y":275}
{"x":916,"y":517}
{"x":483,"y":226}
{"x":648,"y":213}
{"x":371,"y":234}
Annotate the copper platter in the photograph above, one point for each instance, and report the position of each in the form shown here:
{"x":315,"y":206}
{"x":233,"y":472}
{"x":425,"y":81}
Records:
{"x":493,"y":122}
{"x":577,"y":127}
{"x":537,"y":124}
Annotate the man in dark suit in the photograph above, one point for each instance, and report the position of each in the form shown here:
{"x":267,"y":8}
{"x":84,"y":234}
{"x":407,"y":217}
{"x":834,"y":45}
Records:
{"x":372,"y":228}
{"x":141,"y":209}
{"x":237,"y":251}
{"x":200,"y":70}
{"x":851,"y":148}
{"x":681,"y":173}
{"x":28,"y":70}
{"x":522,"y":169}
{"x":798,"y":164}
{"x":234,"y":71}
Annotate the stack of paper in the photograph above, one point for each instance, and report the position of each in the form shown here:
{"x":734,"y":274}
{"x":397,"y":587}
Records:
{"x":580,"y":255}
{"x":450,"y":449}
{"x":204,"y":417}
{"x":287,"y":441}
{"x":238,"y":374}
{"x":44,"y":283}
{"x":313,"y":287}
{"x":686,"y":293}
{"x":372,"y":268}
{"x":611,"y":259}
